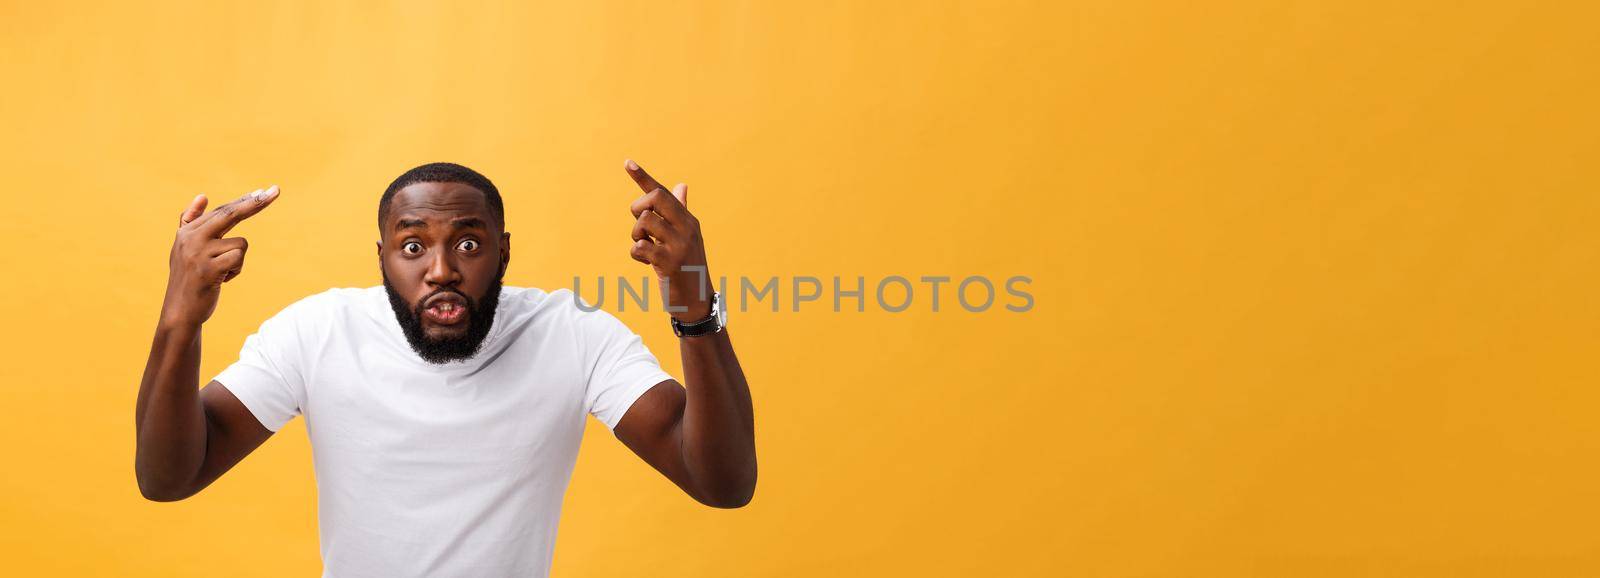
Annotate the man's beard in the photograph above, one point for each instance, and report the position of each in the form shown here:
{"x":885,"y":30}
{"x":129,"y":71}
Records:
{"x":480,"y":317}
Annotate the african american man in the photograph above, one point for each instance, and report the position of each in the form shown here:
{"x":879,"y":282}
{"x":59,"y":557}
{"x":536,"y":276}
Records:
{"x":444,"y":410}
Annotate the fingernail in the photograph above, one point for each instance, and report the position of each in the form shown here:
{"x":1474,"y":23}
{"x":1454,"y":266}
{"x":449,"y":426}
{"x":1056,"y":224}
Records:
{"x":271,"y":192}
{"x":632,"y":166}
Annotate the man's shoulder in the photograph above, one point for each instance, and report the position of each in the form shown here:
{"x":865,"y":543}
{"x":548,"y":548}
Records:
{"x":338,"y":297}
{"x":560,"y":308}
{"x":562,"y":304}
{"x":568,"y":308}
{"x":534,"y":297}
{"x":330,"y":304}
{"x":532,"y":304}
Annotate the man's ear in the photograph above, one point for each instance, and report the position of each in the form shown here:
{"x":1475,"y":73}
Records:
{"x":505,"y":250}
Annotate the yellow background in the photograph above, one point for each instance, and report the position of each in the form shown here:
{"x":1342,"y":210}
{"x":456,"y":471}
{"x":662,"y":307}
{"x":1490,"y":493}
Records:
{"x":1315,"y":281}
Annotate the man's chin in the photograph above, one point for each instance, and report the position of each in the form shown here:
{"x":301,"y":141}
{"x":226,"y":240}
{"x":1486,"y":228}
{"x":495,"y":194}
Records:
{"x":443,"y":333}
{"x":437,"y":343}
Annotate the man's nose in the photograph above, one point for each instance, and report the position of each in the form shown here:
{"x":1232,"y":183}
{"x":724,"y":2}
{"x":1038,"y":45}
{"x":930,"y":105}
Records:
{"x":442,"y":271}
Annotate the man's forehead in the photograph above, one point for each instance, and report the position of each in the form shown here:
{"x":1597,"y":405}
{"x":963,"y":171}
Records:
{"x":438,"y":201}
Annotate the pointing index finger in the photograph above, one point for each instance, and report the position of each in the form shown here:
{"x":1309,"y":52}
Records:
{"x":222,"y":219}
{"x":642,"y":178}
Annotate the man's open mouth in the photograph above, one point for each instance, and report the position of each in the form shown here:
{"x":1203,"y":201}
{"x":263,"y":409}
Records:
{"x":445,"y":309}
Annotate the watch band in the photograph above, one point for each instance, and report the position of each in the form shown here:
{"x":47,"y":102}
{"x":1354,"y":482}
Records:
{"x":712,"y":323}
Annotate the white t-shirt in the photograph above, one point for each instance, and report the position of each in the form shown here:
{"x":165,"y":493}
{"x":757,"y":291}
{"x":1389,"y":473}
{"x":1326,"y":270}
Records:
{"x":430,"y":470}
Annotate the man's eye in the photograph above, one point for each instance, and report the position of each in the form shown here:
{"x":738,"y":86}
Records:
{"x":468,"y":245}
{"x":412,"y":248}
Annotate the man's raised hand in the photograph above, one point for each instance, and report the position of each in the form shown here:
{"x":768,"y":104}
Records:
{"x":667,"y":237}
{"x":202,"y":259}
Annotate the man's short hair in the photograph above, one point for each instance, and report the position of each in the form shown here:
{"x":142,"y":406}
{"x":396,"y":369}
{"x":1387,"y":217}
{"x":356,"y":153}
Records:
{"x":445,"y":173}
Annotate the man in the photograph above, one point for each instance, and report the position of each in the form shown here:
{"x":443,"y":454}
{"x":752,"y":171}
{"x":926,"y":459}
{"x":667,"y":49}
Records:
{"x":444,"y":410}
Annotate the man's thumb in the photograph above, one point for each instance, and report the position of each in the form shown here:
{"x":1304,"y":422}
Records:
{"x":682,"y":193}
{"x":195,"y":209}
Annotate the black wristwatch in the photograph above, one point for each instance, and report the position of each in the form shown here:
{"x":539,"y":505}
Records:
{"x":711,"y":324}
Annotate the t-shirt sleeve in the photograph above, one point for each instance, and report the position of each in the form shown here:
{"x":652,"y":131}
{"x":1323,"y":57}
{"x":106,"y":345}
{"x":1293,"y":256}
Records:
{"x":620,"y":367}
{"x":269,"y":377}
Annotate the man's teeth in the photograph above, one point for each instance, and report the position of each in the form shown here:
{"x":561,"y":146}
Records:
{"x":447,"y":307}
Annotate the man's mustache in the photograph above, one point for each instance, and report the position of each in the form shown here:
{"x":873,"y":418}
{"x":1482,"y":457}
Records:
{"x":471,"y":304}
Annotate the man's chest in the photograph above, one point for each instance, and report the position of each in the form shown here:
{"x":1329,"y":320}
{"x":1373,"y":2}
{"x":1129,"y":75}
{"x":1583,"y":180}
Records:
{"x":523,"y":402}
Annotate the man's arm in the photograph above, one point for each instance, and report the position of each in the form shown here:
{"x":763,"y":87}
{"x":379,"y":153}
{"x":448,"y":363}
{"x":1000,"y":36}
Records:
{"x":702,"y":435}
{"x":186,"y":438}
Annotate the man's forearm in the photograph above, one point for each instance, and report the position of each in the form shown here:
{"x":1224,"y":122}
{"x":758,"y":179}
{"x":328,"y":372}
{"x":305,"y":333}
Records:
{"x":718,"y":425}
{"x":716,"y":432}
{"x":169,"y":422}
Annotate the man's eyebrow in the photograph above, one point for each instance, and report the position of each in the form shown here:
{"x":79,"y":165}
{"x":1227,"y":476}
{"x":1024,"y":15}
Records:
{"x":460,"y":223}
